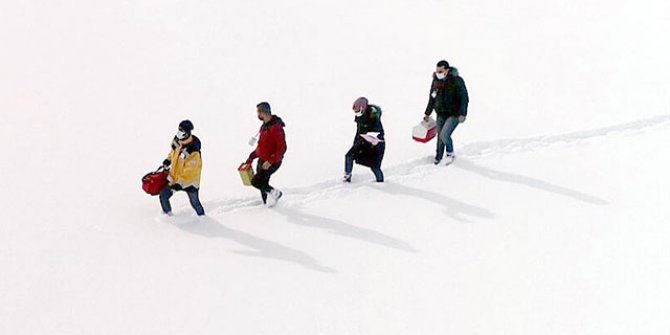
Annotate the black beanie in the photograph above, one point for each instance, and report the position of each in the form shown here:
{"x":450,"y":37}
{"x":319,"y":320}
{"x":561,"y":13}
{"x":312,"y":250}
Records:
{"x":186,"y":126}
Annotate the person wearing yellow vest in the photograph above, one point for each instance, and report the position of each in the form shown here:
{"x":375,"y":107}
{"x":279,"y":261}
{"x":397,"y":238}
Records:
{"x":184,"y":164}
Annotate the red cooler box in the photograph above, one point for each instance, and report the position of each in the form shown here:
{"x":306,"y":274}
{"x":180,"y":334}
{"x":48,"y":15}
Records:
{"x":425,"y":131}
{"x":154,"y":182}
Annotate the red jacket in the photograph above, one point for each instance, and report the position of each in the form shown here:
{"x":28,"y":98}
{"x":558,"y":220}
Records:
{"x":272,"y":142}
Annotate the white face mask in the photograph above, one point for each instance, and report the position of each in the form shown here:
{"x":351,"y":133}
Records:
{"x":182,"y":134}
{"x":440,"y":75}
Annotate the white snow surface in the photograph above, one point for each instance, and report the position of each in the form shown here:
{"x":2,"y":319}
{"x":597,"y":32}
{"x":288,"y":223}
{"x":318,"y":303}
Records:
{"x":552,"y":220}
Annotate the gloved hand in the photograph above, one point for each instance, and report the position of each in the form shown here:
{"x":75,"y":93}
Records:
{"x":426,"y":118}
{"x":166,"y":164}
{"x":461,"y":119}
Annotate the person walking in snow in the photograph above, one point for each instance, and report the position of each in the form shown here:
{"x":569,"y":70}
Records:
{"x":449,"y":99}
{"x":369,"y":146}
{"x":184,"y":164}
{"x":270,"y":153}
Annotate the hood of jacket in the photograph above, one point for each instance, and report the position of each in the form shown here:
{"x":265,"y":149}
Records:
{"x":192,"y":147}
{"x":452,"y":72}
{"x":276,"y":120}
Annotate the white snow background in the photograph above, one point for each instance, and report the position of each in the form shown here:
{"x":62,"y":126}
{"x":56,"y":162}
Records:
{"x":552,"y":220}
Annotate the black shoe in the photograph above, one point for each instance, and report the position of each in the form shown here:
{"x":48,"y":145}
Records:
{"x":437,"y":161}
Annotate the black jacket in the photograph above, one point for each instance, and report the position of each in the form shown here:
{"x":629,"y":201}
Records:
{"x":451,"y":97}
{"x":370,"y":121}
{"x":362,"y":151}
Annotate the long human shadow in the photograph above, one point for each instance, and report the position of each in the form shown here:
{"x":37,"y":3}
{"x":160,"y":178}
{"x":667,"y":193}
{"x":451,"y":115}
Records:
{"x":527,"y":181}
{"x":471,"y":150}
{"x":208,"y":227}
{"x":344,"y":229}
{"x":454,"y":208}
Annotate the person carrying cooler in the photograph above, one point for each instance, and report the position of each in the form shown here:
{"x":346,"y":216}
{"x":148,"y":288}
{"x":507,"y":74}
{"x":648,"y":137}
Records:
{"x":184,"y":164}
{"x":449,"y":98}
{"x":270,"y":153}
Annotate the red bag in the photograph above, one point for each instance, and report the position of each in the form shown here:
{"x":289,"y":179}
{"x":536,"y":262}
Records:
{"x":154,"y":182}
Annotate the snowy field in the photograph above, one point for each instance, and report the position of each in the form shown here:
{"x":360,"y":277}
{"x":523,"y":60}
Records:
{"x":553,"y":219}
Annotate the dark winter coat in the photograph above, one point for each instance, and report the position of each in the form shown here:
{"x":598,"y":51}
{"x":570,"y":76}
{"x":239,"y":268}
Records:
{"x":451,"y":96}
{"x":364,"y":152}
{"x":370,"y":121}
{"x":272,"y":143}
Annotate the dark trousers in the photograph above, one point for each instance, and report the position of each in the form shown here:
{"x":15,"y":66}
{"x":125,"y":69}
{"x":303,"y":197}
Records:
{"x":261,"y":180}
{"x":374,"y":159}
{"x":192,"y":192}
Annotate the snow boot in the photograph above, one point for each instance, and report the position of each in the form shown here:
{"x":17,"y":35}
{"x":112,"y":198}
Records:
{"x":275,"y":195}
{"x":449,"y":159}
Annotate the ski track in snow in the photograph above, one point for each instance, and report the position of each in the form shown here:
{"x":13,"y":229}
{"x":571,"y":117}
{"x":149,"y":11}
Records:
{"x":422,"y":167}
